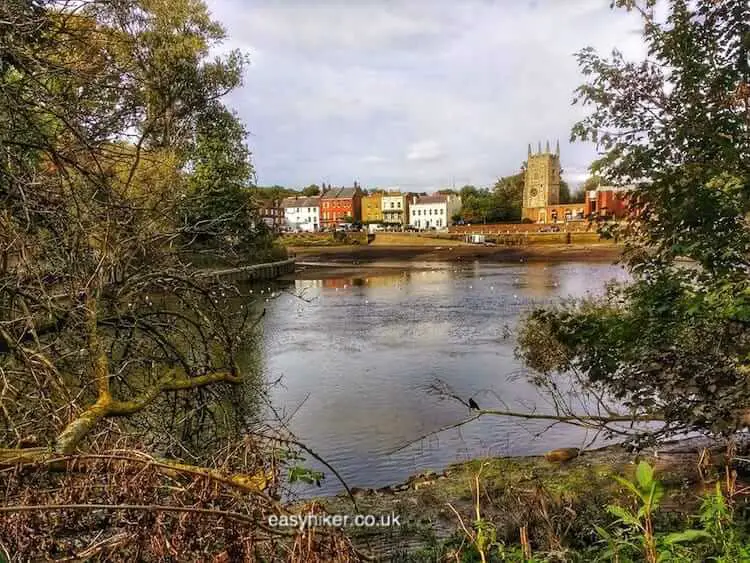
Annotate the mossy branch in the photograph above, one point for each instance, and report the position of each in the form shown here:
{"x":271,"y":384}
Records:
{"x":106,"y":406}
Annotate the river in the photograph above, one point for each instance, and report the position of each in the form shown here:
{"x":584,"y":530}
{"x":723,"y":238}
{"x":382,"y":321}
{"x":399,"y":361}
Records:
{"x":357,"y":352}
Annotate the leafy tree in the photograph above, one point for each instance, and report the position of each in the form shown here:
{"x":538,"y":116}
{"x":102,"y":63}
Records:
{"x":272,"y":193}
{"x":674,"y":344}
{"x":509,"y":193}
{"x":594,"y":181}
{"x":110,"y":125}
{"x":468,"y":191}
{"x":564,"y":192}
{"x":218,"y":210}
{"x":311,"y":190}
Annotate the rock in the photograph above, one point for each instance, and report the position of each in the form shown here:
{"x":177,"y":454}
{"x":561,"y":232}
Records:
{"x":425,"y":483}
{"x":562,"y":454}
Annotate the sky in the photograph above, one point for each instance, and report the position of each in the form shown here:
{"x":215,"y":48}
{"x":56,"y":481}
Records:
{"x":415,"y":94}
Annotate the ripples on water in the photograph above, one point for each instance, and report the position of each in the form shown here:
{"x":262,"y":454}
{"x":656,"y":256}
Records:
{"x":364,"y":349}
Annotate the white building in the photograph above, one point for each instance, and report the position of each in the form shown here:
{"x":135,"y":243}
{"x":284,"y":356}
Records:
{"x":302,"y":213}
{"x":433,"y":211}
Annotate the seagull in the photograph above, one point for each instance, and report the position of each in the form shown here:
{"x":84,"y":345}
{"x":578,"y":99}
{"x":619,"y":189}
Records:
{"x":473,"y":404}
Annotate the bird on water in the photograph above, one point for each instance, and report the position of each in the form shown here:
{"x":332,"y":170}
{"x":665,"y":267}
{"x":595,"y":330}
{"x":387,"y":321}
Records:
{"x":473,"y":404}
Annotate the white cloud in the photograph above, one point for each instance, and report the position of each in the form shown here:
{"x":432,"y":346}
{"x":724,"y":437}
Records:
{"x":373,"y":159}
{"x":427,"y":93}
{"x":424,"y":151}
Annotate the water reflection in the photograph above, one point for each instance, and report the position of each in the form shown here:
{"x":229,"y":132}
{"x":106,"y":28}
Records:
{"x":360,"y":352}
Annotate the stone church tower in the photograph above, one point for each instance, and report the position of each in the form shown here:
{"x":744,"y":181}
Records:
{"x":541,"y":182}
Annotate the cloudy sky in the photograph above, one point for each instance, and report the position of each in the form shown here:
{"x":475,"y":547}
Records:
{"x":413,"y":93}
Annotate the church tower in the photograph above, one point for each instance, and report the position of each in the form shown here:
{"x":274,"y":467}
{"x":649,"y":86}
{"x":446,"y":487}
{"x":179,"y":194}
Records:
{"x":541,"y":182}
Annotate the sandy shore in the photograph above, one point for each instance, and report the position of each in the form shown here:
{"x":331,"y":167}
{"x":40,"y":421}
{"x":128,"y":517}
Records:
{"x":362,"y":255}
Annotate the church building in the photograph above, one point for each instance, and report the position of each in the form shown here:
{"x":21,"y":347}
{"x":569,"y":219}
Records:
{"x":541,"y":191}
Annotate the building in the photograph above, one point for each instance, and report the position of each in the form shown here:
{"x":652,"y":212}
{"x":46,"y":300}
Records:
{"x":395,"y":206}
{"x":340,"y":205}
{"x":372,"y":208}
{"x":541,"y":190}
{"x":302,"y":213}
{"x":608,"y":202}
{"x":271,"y":212}
{"x":433,"y":211}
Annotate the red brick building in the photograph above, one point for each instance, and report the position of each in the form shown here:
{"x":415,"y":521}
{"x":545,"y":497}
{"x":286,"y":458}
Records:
{"x":607,"y":202}
{"x":337,"y":203}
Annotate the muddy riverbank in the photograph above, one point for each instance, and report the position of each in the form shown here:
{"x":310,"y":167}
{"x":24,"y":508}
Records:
{"x":554,"y":501}
{"x":356,"y":255}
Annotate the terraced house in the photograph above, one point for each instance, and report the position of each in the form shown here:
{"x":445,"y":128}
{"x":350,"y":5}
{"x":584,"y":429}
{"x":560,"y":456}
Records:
{"x":372,"y":210}
{"x":395,"y":206}
{"x":302,"y":213}
{"x":340,"y":205}
{"x":433,"y":212}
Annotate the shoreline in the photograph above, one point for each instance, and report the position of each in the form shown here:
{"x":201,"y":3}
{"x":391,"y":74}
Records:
{"x":512,"y":485}
{"x":341,"y":261}
{"x":447,"y":252}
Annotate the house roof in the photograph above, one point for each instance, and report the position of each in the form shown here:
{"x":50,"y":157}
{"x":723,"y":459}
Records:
{"x":340,"y":193}
{"x":301,"y":201}
{"x":426,"y":199}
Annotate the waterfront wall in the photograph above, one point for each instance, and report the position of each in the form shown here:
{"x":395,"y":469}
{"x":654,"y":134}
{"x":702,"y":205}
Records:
{"x":510,"y":228}
{"x":255,"y":272}
{"x":506,"y":239}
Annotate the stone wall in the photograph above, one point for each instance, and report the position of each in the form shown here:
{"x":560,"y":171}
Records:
{"x":507,"y":228}
{"x":255,"y":272}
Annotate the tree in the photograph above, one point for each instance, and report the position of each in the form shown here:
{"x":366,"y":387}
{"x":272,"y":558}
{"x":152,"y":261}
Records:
{"x":672,"y":345}
{"x":468,"y":191}
{"x":509,"y":193}
{"x":311,"y":190}
{"x":564,"y":192}
{"x":113,"y":348}
{"x":594,"y":181}
{"x":218,"y":211}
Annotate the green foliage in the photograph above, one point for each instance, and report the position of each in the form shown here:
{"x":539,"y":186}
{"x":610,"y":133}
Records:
{"x":594,"y":181}
{"x":305,"y":475}
{"x":218,"y":210}
{"x":633,"y":537}
{"x":675,"y":342}
{"x":311,"y":190}
{"x":500,"y":203}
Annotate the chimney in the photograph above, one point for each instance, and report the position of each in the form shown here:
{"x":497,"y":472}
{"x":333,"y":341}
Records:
{"x":529,"y":149}
{"x":547,"y":148}
{"x":540,"y":148}
{"x":557,"y":147}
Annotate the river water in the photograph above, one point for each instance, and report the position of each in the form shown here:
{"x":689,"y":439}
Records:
{"x":357,"y":353}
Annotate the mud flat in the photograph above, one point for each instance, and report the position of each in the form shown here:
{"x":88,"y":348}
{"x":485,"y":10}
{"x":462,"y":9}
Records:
{"x":356,"y":255}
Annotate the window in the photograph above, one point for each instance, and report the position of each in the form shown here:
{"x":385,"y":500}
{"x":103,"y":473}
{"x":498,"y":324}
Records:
{"x":391,"y":205}
{"x":398,"y":204}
